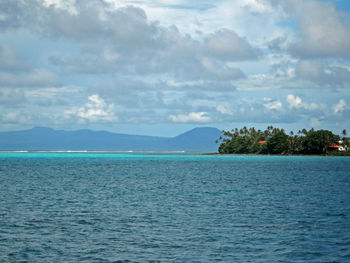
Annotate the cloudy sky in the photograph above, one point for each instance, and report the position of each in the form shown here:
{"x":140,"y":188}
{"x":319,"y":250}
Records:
{"x":163,"y":67}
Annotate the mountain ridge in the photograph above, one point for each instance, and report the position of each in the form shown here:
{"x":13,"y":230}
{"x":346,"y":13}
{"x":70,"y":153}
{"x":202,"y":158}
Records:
{"x":201,"y":139}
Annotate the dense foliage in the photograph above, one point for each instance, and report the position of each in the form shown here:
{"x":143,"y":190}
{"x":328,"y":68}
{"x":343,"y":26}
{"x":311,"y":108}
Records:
{"x":276,"y":141}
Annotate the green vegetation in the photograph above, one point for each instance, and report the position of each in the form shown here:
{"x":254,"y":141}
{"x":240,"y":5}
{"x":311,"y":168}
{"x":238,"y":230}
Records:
{"x":276,"y":141}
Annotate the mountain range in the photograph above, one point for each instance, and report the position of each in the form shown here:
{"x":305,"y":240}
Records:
{"x":43,"y":138}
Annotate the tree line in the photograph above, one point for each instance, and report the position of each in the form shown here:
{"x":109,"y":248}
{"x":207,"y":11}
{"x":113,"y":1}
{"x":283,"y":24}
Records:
{"x":277,"y":141}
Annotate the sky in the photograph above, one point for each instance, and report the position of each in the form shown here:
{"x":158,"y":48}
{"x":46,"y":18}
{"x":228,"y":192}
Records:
{"x":163,"y":67}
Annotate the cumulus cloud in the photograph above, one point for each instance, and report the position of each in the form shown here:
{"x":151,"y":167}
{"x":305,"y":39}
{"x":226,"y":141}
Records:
{"x":340,"y":106}
{"x":179,"y":57}
{"x":214,"y":66}
{"x":67,"y":5}
{"x":296,"y":102}
{"x":254,"y":111}
{"x":256,"y":6}
{"x":271,"y":104}
{"x":96,"y":110}
{"x":129,"y":43}
{"x":129,"y":29}
{"x":318,"y":72}
{"x":123,"y":41}
{"x":325,"y":32}
{"x":164,"y":51}
{"x":192,"y":117}
{"x":227,"y":45}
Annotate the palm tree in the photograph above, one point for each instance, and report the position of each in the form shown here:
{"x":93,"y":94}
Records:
{"x":344,"y":132}
{"x":245,"y":130}
{"x":345,"y":140}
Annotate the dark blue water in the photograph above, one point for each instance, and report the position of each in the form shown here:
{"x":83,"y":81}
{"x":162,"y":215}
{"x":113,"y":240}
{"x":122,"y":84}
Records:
{"x":61,"y":207}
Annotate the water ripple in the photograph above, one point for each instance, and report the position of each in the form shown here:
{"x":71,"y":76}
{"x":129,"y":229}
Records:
{"x":174,"y":209}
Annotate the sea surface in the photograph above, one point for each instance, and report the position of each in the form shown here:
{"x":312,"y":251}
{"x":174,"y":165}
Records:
{"x":133,"y":207}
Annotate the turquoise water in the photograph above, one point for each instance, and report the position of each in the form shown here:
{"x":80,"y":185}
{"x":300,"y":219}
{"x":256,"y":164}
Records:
{"x":108,"y":207}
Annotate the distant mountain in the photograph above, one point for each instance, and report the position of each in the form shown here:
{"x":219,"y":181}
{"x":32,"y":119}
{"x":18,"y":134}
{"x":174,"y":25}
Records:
{"x":43,"y":138}
{"x":197,"y":139}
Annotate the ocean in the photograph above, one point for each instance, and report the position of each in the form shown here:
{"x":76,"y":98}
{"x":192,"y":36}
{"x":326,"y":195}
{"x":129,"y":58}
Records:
{"x":148,"y":207}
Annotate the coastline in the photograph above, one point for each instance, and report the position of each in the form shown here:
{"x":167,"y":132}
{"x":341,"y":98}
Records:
{"x":260,"y":154}
{"x":333,"y":154}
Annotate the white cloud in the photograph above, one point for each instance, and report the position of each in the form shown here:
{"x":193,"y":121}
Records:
{"x":223,"y":109}
{"x":129,"y":43}
{"x":96,"y":110}
{"x":333,"y":76}
{"x":123,"y":40}
{"x":195,"y":117}
{"x":296,"y":102}
{"x":256,"y":6}
{"x":198,"y":61}
{"x":325,"y":32}
{"x":272,"y":104}
{"x":340,"y":106}
{"x":227,"y":45}
{"x":68,"y":5}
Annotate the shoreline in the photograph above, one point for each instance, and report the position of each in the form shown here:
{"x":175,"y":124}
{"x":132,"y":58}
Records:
{"x":261,"y":154}
{"x":171,"y":152}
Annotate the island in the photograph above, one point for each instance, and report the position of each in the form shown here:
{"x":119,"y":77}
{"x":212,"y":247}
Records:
{"x":276,"y":141}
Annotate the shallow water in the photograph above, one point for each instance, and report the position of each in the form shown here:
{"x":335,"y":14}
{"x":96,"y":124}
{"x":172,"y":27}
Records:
{"x":107,"y":207}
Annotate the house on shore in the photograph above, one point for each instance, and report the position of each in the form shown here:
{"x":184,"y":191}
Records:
{"x":340,"y":147}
